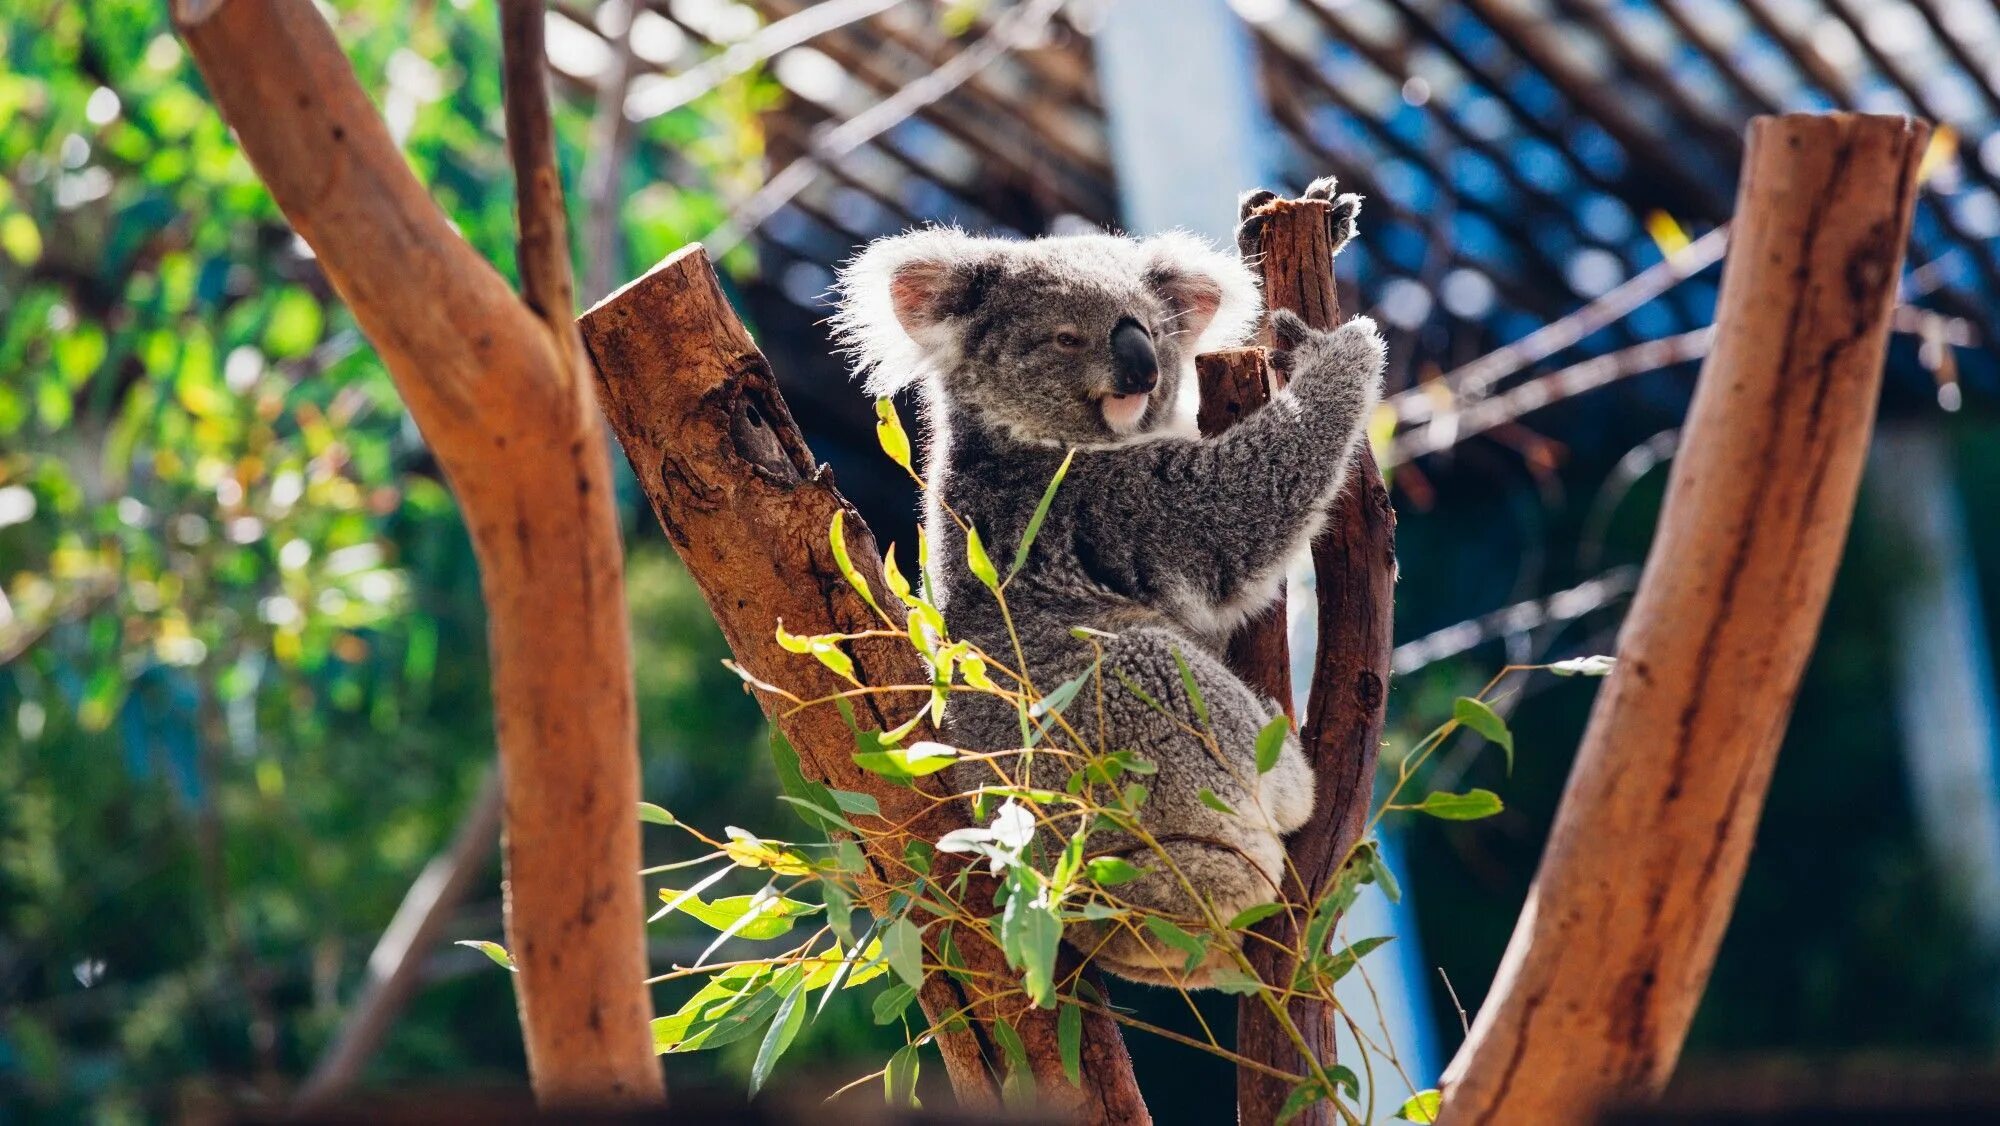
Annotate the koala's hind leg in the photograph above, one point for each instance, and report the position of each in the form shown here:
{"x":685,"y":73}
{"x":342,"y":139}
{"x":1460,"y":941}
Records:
{"x":1229,"y":858}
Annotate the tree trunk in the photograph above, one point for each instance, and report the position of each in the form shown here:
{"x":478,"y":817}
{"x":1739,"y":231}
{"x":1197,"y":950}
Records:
{"x":1601,"y":980}
{"x":501,"y":398}
{"x":1354,"y":563}
{"x":698,"y":412}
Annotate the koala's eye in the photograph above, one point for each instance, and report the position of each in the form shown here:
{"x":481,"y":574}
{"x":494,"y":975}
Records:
{"x":1069,"y":340}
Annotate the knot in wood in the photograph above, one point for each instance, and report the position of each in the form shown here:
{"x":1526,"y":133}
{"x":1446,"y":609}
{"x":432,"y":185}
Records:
{"x":1368,"y":689}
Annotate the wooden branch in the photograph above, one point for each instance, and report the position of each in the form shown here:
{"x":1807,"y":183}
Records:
{"x":513,"y":423}
{"x":1354,"y":562}
{"x":543,"y":245}
{"x":1234,"y":383}
{"x":396,"y":967}
{"x":1594,"y":996}
{"x":712,"y":442}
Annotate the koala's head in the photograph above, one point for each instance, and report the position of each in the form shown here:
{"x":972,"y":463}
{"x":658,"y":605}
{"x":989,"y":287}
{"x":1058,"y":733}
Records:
{"x":1065,"y":340}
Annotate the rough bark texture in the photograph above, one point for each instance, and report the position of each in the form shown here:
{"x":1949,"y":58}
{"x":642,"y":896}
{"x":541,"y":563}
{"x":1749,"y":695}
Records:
{"x":1354,"y":563}
{"x":698,"y":412}
{"x":1234,"y":383}
{"x":513,"y":422}
{"x":1643,"y":864}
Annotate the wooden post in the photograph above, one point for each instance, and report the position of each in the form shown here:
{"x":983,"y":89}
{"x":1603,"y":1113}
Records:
{"x":698,"y":412}
{"x":1234,"y":383}
{"x":1354,"y":562}
{"x":1594,"y":996}
{"x":501,"y":397}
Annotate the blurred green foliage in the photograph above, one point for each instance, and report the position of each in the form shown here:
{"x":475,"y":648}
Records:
{"x":243,"y":689}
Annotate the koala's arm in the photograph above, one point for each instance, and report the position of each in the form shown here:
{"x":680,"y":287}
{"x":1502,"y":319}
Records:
{"x":1218,"y":518}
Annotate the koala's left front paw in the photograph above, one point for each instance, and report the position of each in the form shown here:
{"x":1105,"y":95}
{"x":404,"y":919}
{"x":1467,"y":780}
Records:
{"x":1349,"y":359}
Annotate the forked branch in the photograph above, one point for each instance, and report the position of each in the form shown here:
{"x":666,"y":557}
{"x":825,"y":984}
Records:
{"x":503,"y":402}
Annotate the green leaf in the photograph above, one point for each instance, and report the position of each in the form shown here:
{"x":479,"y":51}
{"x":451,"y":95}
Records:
{"x":1110,"y":871}
{"x":1235,"y":982}
{"x":1041,"y":513}
{"x":1271,"y":742}
{"x":1069,"y":1042}
{"x":1194,"y":946}
{"x":1209,"y":799}
{"x":851,"y":802}
{"x":754,"y":917}
{"x":492,"y":950}
{"x":1029,"y":936}
{"x":655,"y":815}
{"x":724,"y":1010}
{"x":1064,"y":693}
{"x":902,"y":764}
{"x":899,"y":1079}
{"x":1585,"y":666}
{"x":890,"y":1003}
{"x":837,"y":539}
{"x":1476,"y":715}
{"x":826,"y":649}
{"x":1469,"y":806}
{"x":977,"y":559}
{"x":1302,"y":1098}
{"x":890,"y":433}
{"x":1344,"y":959}
{"x":1421,"y":1107}
{"x":784,"y":1027}
{"x":820,"y":812}
{"x":1195,"y":701}
{"x":1251,"y":916}
{"x":1018,"y":1088}
{"x":1376,"y":870}
{"x":903,"y":945}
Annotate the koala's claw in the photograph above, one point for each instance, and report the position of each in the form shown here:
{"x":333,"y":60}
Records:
{"x":1289,"y":330}
{"x":1250,"y":224}
{"x":1341,"y":219}
{"x":1251,"y":200}
{"x":1322,"y":188}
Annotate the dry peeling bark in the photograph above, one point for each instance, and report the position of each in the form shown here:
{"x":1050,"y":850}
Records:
{"x":1615,"y":944}
{"x":502,"y":398}
{"x":748,"y":509}
{"x":1354,"y":562}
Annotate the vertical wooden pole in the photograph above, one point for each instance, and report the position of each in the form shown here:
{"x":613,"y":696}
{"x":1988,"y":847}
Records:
{"x":1615,"y":944}
{"x":1234,"y":383}
{"x":1354,"y":563}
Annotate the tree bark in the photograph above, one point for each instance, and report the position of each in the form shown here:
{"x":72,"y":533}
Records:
{"x":1608,"y":961}
{"x":500,"y":398}
{"x":1354,"y":564}
{"x":748,"y":509}
{"x":1234,"y":383}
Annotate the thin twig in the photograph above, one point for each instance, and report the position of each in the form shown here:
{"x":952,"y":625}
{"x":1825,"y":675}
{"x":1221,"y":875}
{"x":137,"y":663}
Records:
{"x":546,"y":282}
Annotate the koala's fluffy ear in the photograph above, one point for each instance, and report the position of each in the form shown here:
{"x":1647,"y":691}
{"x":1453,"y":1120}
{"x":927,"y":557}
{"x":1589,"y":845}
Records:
{"x":895,"y":298}
{"x":1213,"y":293}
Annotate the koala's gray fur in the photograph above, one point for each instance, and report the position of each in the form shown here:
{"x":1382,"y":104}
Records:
{"x":1157,"y":536}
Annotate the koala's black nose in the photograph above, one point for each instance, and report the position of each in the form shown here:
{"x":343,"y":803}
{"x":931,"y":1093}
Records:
{"x":1133,"y":360}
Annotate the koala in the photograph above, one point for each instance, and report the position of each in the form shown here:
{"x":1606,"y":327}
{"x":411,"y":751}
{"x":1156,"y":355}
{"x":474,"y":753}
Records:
{"x":1159,"y":539}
